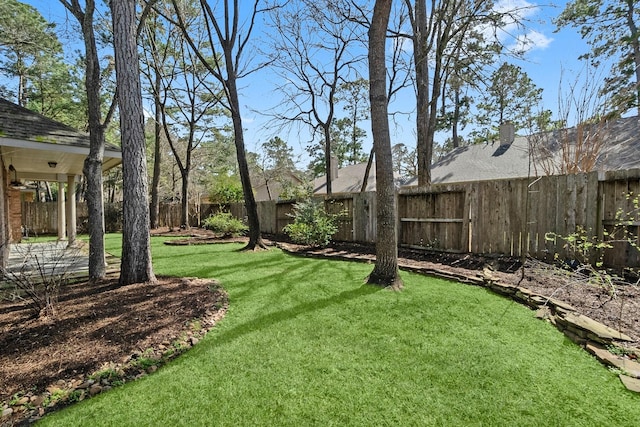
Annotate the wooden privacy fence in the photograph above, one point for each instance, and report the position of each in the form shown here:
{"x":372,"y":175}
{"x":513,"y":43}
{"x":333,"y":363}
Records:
{"x":530,"y":216}
{"x":434,"y":219}
{"x":511,"y":217}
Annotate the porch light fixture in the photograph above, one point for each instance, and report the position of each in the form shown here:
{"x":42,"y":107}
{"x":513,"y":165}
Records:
{"x":15,"y":183}
{"x":52,"y":164}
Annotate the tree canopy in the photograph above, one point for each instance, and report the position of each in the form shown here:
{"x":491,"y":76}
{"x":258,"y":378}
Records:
{"x":611,"y":29}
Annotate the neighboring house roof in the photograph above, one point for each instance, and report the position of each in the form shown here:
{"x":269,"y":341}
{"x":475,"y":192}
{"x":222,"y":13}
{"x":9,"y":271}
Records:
{"x":30,"y":141}
{"x":620,"y":150}
{"x":266,"y":190}
{"x":349,"y":180}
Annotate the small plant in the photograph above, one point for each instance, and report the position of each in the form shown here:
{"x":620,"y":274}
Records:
{"x":585,"y":251}
{"x":196,"y":326}
{"x":15,"y":399}
{"x":169,"y":353}
{"x":55,"y":397}
{"x":75,"y":396}
{"x":107,"y":372}
{"x":179,"y":345}
{"x":312,"y":225}
{"x":585,"y":258}
{"x":226,"y":224}
{"x":145,"y":363}
{"x":581,"y":246}
{"x":620,"y":351}
{"x":146,"y":360}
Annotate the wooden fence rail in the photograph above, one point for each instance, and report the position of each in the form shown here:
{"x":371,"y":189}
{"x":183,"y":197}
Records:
{"x":532,"y":216}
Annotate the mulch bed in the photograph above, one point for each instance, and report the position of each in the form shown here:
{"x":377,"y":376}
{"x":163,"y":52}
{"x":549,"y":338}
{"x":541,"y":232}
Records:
{"x":99,"y":325}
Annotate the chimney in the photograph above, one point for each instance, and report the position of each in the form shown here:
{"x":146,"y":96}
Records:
{"x":334,"y":167}
{"x":507,"y":133}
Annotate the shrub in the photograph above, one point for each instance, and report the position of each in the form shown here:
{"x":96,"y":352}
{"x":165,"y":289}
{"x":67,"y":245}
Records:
{"x":226,"y":224}
{"x":312,"y":224}
{"x":226,"y":189}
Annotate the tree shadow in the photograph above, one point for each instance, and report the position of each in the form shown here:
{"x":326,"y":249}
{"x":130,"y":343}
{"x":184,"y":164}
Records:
{"x":267,"y":320}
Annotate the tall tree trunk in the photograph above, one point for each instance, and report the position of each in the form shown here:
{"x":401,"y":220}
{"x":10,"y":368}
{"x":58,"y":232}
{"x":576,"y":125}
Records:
{"x":431,"y":118}
{"x":184,"y":200}
{"x":22,"y":90}
{"x":255,"y":236}
{"x":136,"y":266}
{"x":48,"y":192}
{"x":157,"y":155}
{"x":92,"y":168}
{"x":327,"y":156}
{"x":229,"y":41}
{"x":423,"y":147}
{"x":385,"y":271}
{"x":354,"y":135}
{"x":456,"y":118}
{"x":4,"y":216}
{"x":635,"y":46}
{"x":367,"y":171}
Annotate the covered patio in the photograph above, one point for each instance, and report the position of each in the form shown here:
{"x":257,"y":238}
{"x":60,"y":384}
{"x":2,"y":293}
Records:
{"x":36,"y":148}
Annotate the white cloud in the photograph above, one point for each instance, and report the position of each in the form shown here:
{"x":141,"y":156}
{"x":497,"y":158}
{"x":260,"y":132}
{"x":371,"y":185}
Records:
{"x":522,"y":7}
{"x":513,"y":33}
{"x":532,"y":40}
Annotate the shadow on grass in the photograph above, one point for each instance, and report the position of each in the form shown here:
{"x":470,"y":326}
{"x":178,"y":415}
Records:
{"x":267,"y":320}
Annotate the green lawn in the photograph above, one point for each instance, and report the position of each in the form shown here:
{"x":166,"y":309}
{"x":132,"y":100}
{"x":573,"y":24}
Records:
{"x":305,"y":342}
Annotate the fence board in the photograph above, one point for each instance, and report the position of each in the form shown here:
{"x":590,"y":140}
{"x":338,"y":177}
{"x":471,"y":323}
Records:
{"x":342,"y":207}
{"x":433,"y":220}
{"x":284,"y":212}
{"x":267,"y":214}
{"x":364,"y":225}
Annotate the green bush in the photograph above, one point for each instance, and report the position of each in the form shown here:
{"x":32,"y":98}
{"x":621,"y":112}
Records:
{"x":312,"y":224}
{"x":226,"y":189}
{"x":226,"y":224}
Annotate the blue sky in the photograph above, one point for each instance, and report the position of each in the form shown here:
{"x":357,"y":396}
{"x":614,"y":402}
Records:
{"x":549,"y":53}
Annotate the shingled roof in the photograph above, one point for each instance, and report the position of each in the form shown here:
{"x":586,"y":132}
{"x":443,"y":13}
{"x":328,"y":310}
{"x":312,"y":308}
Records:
{"x":17,"y":122}
{"x":491,"y":161}
{"x":40,"y":148}
{"x":349,"y":180}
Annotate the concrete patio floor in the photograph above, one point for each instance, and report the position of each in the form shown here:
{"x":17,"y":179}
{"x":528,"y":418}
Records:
{"x":42,"y":259}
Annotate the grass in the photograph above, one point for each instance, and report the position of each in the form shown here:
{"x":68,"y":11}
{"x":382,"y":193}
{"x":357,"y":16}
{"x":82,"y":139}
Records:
{"x":41,"y":239}
{"x":305,"y":342}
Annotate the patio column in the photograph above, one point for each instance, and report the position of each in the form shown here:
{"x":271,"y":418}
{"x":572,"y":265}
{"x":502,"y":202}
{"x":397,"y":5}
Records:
{"x":61,"y":211}
{"x":71,"y":209}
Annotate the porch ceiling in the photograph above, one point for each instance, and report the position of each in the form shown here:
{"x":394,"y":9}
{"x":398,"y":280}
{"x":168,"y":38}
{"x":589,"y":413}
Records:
{"x":30,"y":160}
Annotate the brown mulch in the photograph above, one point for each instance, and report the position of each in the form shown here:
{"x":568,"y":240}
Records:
{"x":195,"y":236}
{"x":99,"y":324}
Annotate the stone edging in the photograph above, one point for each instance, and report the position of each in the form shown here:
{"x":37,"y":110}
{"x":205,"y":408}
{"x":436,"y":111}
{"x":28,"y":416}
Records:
{"x":591,"y":335}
